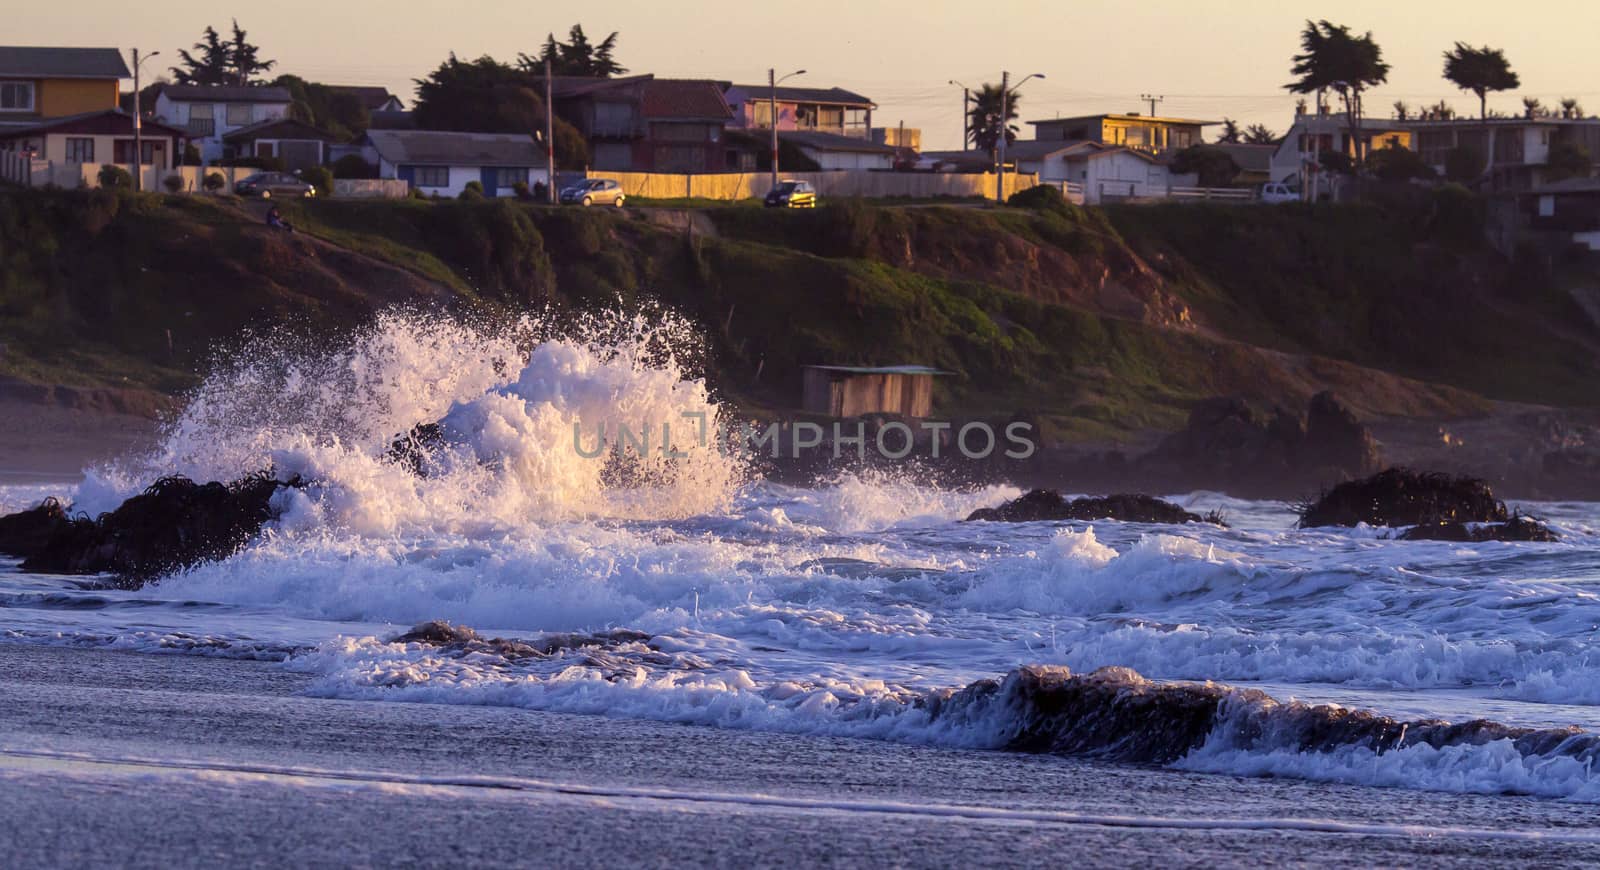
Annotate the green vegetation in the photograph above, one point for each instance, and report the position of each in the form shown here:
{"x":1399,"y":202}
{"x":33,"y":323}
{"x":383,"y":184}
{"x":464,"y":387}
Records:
{"x":1096,"y":323}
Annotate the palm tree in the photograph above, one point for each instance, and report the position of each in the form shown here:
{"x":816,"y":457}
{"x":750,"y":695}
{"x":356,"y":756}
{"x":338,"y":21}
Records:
{"x":1480,"y":70}
{"x":1532,"y":108}
{"x":1333,"y":58}
{"x":983,"y":118}
{"x":1259,"y":134}
{"x":1570,"y":108}
{"x":1402,"y":111}
{"x":1230,"y":132}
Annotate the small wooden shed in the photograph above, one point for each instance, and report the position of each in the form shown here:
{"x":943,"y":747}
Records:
{"x":850,"y":391}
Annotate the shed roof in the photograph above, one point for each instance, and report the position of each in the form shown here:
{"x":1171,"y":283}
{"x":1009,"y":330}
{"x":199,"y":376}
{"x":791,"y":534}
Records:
{"x":881,"y":370}
{"x":1248,"y":157}
{"x":447,"y":148}
{"x":1569,"y":185}
{"x":62,"y":62}
{"x":819,"y":141}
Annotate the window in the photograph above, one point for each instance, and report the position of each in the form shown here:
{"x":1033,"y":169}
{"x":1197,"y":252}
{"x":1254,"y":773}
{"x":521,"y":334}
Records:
{"x":507,"y":176}
{"x":238,"y":114}
{"x":16,"y":96}
{"x":80,"y":149}
{"x":122,"y":151}
{"x":432,"y":176}
{"x":202,"y":119}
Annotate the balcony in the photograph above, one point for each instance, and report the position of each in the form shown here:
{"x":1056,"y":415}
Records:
{"x":200,"y":128}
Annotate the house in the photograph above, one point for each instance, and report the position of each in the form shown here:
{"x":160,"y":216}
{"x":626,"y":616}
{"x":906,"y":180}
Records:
{"x":751,"y":150}
{"x":820,"y":110}
{"x":608,"y":112}
{"x":1254,"y":161}
{"x":441,"y":162}
{"x":1148,"y":133}
{"x":1520,"y":146}
{"x":298,"y":144}
{"x":1568,"y":206}
{"x":373,"y":99}
{"x":210,"y":112}
{"x":104,"y":136}
{"x":1103,"y":173}
{"x":850,"y":391}
{"x":39,"y":82}
{"x":647,"y":124}
{"x":1297,"y":157}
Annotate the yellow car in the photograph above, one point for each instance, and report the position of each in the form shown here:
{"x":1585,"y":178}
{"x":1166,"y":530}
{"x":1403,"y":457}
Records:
{"x":792,"y":194}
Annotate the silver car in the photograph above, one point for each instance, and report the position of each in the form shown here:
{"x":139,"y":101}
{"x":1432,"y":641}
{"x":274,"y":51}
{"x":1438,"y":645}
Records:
{"x":594,"y":191}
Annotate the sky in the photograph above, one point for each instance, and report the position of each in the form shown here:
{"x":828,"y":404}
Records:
{"x":1209,"y":58}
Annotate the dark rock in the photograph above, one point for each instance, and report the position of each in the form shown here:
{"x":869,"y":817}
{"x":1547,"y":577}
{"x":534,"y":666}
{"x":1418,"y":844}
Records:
{"x":1336,"y":441}
{"x":25,"y":533}
{"x":462,"y":640}
{"x":1401,"y":497}
{"x":172,"y":525}
{"x":414,"y":448}
{"x":1518,"y":528}
{"x":1048,"y":505}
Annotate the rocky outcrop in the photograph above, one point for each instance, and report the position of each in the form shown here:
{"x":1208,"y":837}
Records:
{"x":172,"y":525}
{"x":1226,"y":444}
{"x":1043,"y":505}
{"x":1440,"y":507}
{"x":1518,"y":528}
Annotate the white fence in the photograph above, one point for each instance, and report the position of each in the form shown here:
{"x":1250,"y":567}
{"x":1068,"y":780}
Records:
{"x":1222,"y":194}
{"x":45,"y":173}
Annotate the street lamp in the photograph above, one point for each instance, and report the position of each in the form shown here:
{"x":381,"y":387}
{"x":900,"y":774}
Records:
{"x":966,"y":99}
{"x":1000,"y":148}
{"x":773,"y":82}
{"x":138,"y":130}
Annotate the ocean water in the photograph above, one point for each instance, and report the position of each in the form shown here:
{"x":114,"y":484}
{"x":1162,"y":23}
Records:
{"x":684,"y":589}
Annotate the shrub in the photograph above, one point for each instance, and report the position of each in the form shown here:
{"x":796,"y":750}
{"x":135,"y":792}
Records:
{"x":1041,"y":197}
{"x":1458,"y":216}
{"x":520,"y":188}
{"x":474,"y":185}
{"x":353,"y":166}
{"x":1398,"y":164}
{"x":1568,"y":160}
{"x":1463,"y":164}
{"x":1213,"y":165}
{"x":1336,"y":161}
{"x":173,"y":183}
{"x":213,"y":182}
{"x":114,"y":177}
{"x":320,"y":178}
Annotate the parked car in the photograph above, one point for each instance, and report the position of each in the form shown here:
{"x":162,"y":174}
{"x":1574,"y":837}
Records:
{"x":594,"y":191}
{"x":1278,"y":192}
{"x":270,"y":184}
{"x":792,"y":194}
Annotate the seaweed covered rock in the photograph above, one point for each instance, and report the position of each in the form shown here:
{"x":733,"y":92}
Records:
{"x":413,"y":448}
{"x":1046,"y":505}
{"x":1518,"y":528}
{"x":1402,"y":497}
{"x":171,"y":525}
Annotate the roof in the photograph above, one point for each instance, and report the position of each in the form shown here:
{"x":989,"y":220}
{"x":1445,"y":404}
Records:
{"x":1128,"y":116}
{"x":1248,"y":157}
{"x":1569,"y":185}
{"x":1466,"y":121}
{"x":372,"y":97}
{"x":881,"y":370}
{"x":62,"y":63}
{"x":226,"y":94}
{"x":391,"y":119}
{"x":832,"y":142}
{"x":685,"y":99}
{"x":441,"y":148}
{"x":100,"y":121}
{"x":1038,"y":149}
{"x":834,"y":96}
{"x":562,"y":87}
{"x":281,"y":128}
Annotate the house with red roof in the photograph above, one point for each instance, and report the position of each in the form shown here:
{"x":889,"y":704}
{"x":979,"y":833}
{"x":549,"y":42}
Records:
{"x":646,"y":124}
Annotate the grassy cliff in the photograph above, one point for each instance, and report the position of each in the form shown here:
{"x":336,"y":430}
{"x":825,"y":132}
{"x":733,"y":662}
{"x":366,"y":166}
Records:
{"x":1099,"y":323}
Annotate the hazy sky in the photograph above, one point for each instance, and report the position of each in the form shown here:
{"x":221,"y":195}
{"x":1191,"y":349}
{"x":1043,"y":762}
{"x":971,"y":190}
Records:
{"x":1211,"y":58}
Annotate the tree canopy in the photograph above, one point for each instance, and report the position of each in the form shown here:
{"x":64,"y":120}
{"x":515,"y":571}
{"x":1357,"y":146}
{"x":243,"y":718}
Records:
{"x":1333,"y":58}
{"x":487,"y":96}
{"x":1480,"y":70}
{"x":575,"y":57}
{"x":1259,"y":134}
{"x":1212,"y":165}
{"x":339,"y":112}
{"x":235,"y":61}
{"x":1230,"y":134}
{"x":983,"y":118}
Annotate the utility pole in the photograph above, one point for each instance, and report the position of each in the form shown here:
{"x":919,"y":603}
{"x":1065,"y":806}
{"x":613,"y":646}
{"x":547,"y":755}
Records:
{"x":1000,"y":143}
{"x":1152,"y":100}
{"x":138,"y":132}
{"x":772,"y":84}
{"x":966,"y":112}
{"x":549,"y":136}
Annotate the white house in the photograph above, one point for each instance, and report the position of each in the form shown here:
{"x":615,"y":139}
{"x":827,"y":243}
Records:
{"x":1104,"y":172}
{"x":441,"y":162}
{"x":1297,"y":157}
{"x":211,"y":112}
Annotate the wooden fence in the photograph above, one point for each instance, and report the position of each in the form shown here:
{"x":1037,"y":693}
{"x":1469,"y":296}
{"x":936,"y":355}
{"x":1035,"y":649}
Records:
{"x":47,"y":173}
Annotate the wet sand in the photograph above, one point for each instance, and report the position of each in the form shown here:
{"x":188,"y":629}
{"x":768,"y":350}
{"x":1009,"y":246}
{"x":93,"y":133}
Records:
{"x":127,"y":759}
{"x":48,"y":443}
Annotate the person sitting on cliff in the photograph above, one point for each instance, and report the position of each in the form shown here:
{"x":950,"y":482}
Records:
{"x":276,"y":221}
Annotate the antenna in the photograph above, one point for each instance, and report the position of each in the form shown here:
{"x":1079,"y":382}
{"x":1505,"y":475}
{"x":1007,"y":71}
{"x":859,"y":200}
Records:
{"x":1152,"y":100}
